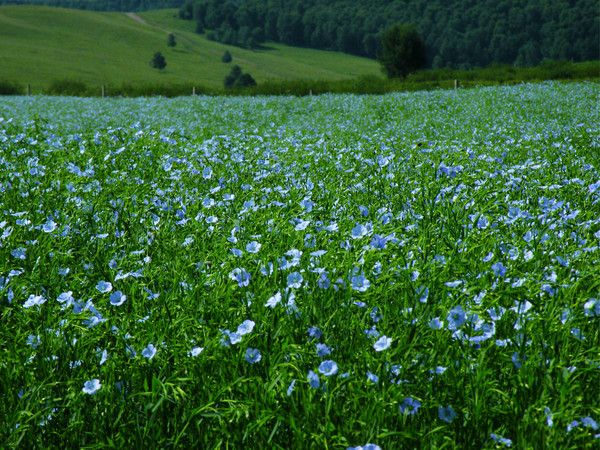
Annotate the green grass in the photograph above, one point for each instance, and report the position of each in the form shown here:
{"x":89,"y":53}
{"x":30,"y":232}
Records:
{"x":41,"y":44}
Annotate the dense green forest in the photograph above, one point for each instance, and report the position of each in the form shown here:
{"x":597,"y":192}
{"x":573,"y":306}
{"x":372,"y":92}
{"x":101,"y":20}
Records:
{"x":458,"y":33}
{"x":101,"y":5}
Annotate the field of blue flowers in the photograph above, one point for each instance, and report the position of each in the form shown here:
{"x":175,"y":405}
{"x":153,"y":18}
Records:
{"x":399,"y":271}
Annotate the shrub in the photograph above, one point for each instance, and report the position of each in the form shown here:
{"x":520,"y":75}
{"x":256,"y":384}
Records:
{"x":226,"y":58}
{"x":158,"y":61}
{"x":238,"y":79}
{"x":171,"y":42}
{"x":10,"y":88}
{"x":245,"y":80}
{"x":67,"y":87}
{"x":164,"y":90}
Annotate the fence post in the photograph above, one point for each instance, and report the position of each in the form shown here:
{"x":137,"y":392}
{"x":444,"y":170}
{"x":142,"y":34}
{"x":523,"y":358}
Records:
{"x":28,"y":89}
{"x":193,"y":90}
{"x":455,"y":84}
{"x":103,"y":91}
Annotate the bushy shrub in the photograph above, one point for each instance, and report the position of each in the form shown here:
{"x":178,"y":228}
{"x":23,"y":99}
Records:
{"x":164,"y":90}
{"x":237,"y":79}
{"x":245,"y":80}
{"x":158,"y":61}
{"x":68,"y":87}
{"x":171,"y":41}
{"x":226,"y":58}
{"x":10,"y":88}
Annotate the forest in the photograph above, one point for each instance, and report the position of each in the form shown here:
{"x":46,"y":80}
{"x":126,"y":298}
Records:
{"x":457,"y":33}
{"x":101,"y":5}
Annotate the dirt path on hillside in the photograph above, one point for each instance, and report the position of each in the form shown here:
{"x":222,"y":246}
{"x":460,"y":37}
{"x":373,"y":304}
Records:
{"x":140,"y":20}
{"x":137,"y":18}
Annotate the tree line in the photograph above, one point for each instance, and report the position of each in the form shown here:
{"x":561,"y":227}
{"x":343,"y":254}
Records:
{"x":101,"y":5}
{"x":457,"y":33}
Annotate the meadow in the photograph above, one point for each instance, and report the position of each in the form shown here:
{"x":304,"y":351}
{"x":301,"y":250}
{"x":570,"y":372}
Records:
{"x":40,"y":45}
{"x":336,"y":271}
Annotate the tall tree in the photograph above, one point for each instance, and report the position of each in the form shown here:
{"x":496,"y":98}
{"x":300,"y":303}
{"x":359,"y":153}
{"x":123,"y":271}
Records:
{"x":402,"y":50}
{"x":158,"y":61}
{"x":171,"y":42}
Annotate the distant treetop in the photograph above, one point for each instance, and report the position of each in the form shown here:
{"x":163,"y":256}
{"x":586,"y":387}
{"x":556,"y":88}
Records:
{"x":102,"y":5}
{"x":402,"y":50}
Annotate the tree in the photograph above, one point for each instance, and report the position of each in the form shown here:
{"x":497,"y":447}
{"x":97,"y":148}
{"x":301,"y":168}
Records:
{"x":237,"y":79}
{"x":158,"y":61}
{"x":186,"y":12}
{"x":230,"y":79}
{"x":245,"y":80}
{"x":401,"y":50}
{"x":171,"y":42}
{"x":226,"y":58}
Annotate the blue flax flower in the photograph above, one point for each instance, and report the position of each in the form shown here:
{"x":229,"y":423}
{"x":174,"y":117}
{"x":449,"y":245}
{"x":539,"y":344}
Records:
{"x":328,"y":368}
{"x":245,"y":327}
{"x":149,"y":351}
{"x":241,"y":276}
{"x":456,"y":318}
{"x":409,"y":406}
{"x":274,"y":300}
{"x":499,"y":269}
{"x":117,"y":298}
{"x":34,"y":300}
{"x":382,"y":343}
{"x":313,"y":379}
{"x":252,"y":355}
{"x":315,"y":333}
{"x":294,"y":280}
{"x":104,"y":287}
{"x":291,"y":387}
{"x":372,"y":377}
{"x":446,"y":413}
{"x":501,"y":440}
{"x":90,"y":387}
{"x":323,"y":350}
{"x":360,"y":283}
{"x":365,"y":447}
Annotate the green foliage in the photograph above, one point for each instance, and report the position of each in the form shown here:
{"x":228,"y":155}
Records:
{"x":152,"y":90}
{"x":102,"y":5}
{"x":245,"y":80}
{"x":402,"y":51}
{"x":457,"y":34}
{"x":158,"y":61}
{"x":10,"y":88}
{"x":68,"y":87}
{"x":171,"y":41}
{"x":226,"y":58}
{"x":418,"y":81}
{"x":237,"y":79}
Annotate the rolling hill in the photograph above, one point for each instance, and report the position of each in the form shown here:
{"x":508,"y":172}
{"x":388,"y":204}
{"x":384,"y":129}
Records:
{"x":40,"y":44}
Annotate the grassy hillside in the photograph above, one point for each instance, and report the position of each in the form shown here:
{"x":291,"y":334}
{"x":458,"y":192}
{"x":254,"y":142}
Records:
{"x":41,"y":44}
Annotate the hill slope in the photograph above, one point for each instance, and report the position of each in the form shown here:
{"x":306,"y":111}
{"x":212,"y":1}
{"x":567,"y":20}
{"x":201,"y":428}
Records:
{"x":40,"y":44}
